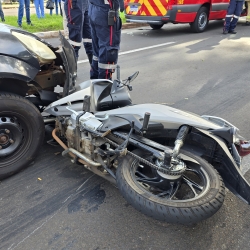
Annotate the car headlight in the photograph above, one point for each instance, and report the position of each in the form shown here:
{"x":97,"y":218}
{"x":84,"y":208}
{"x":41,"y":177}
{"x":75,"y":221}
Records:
{"x":43,"y":53}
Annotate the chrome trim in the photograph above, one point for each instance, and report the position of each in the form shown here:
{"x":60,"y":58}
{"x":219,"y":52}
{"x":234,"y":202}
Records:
{"x":143,"y":21}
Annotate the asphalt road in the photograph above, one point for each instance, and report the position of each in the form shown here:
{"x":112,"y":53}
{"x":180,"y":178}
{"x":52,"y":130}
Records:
{"x":55,"y":204}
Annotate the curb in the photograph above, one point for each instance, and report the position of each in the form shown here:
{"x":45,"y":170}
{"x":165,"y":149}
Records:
{"x":54,"y":34}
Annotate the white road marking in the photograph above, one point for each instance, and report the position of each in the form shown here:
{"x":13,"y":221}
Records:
{"x":135,"y":50}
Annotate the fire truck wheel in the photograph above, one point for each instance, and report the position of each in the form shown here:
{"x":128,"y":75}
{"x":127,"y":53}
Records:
{"x":155,"y":26}
{"x":201,"y":21}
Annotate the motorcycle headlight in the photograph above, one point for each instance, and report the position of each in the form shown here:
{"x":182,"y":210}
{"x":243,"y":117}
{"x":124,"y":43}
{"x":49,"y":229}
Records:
{"x":43,"y":53}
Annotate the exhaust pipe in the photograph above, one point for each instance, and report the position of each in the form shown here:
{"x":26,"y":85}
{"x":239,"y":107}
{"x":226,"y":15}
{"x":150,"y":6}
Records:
{"x":81,"y":156}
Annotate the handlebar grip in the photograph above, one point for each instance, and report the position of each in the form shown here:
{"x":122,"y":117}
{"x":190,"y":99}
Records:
{"x":145,"y":121}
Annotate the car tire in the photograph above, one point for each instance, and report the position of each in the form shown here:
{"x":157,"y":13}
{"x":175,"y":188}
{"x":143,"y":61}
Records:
{"x":21,"y":133}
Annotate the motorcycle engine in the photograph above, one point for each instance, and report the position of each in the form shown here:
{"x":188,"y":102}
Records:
{"x":68,"y":127}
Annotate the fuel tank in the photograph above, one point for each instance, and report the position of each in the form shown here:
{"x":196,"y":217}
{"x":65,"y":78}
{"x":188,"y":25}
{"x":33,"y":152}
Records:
{"x":169,"y":117}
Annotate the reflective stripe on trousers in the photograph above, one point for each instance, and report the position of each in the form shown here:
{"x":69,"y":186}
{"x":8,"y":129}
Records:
{"x":233,"y":13}
{"x":78,"y":25}
{"x":105,"y":42}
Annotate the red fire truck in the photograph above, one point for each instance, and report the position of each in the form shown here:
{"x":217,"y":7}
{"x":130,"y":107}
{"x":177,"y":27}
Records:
{"x":159,"y":12}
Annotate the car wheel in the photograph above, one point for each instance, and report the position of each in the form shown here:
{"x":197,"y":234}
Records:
{"x":21,"y":133}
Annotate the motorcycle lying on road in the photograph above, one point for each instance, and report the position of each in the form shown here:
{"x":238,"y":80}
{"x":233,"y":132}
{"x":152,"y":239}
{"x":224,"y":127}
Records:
{"x":169,"y":164}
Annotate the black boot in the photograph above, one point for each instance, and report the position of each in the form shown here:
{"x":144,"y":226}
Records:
{"x":90,"y":57}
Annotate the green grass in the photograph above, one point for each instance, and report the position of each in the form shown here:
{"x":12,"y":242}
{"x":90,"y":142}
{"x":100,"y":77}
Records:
{"x":49,"y":23}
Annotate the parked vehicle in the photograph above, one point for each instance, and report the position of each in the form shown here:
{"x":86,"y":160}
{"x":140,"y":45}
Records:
{"x":168,"y":163}
{"x":30,"y":69}
{"x":157,"y":13}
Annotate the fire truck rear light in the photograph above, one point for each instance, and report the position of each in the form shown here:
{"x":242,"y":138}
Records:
{"x":164,"y":18}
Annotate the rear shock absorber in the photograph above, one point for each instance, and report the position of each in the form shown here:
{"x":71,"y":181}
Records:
{"x":182,"y":134}
{"x":171,"y":160}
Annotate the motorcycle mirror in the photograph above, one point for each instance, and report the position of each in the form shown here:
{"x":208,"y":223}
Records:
{"x":132,"y":78}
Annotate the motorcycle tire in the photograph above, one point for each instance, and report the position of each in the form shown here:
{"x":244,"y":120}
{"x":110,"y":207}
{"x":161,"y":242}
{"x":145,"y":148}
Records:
{"x":21,"y":133}
{"x":180,"y":209}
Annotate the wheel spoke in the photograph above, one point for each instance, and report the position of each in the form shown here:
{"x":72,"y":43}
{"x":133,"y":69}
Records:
{"x":167,"y":193}
{"x":162,"y":194}
{"x":193,"y":185}
{"x":155,"y":181}
{"x":192,"y":170}
{"x":171,"y":196}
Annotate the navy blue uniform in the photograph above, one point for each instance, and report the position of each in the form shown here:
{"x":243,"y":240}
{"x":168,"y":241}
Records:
{"x":78,"y":24}
{"x":233,"y":13}
{"x":105,"y":38}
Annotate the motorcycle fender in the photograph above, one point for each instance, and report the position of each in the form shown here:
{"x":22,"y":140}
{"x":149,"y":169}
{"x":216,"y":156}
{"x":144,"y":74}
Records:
{"x":230,"y":172}
{"x":13,"y":68}
{"x":67,"y":54}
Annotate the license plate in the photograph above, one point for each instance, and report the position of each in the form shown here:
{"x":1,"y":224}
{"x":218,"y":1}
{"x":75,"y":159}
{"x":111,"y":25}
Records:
{"x":133,"y":8}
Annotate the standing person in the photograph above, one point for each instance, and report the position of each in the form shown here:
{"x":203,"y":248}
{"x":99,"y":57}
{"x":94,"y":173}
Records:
{"x":27,"y":11}
{"x":39,"y":4}
{"x":65,"y":27}
{"x":233,"y":13}
{"x":1,"y":12}
{"x":78,"y":25}
{"x":247,"y":3}
{"x":56,"y":7}
{"x":106,"y":35}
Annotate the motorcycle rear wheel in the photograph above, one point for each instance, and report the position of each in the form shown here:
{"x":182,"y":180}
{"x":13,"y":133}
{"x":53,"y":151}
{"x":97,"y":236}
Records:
{"x":197,"y":195}
{"x":21,"y":133}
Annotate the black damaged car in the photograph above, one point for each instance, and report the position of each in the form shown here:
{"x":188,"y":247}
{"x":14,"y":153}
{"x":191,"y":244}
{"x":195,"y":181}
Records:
{"x":30,"y":70}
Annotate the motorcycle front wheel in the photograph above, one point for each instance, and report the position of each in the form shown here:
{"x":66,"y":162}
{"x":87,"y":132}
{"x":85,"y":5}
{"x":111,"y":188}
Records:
{"x":195,"y":195}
